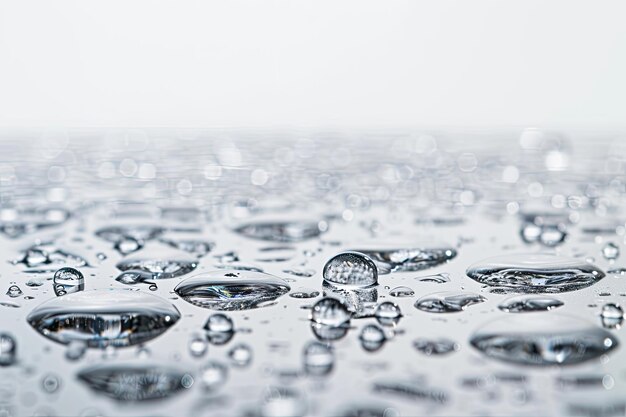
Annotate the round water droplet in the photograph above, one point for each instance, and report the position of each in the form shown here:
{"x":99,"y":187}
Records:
{"x":372,"y":337}
{"x":612,"y":311}
{"x":535,"y":273}
{"x":351,"y":268}
{"x":401,"y":292}
{"x":240,"y":355}
{"x":198,"y":345}
{"x":553,"y":340}
{"x":68,"y":280}
{"x":529,"y":303}
{"x":448,"y":302}
{"x":103,"y":318}
{"x":14,"y":291}
{"x":50,"y":383}
{"x":440,"y":346}
{"x":330,"y":312}
{"x":219,"y":323}
{"x":388,"y":313}
{"x":8,"y":349}
{"x":213,"y":375}
{"x":318,"y":358}
{"x":304,"y":293}
{"x":231,"y":289}
{"x":610,"y":251}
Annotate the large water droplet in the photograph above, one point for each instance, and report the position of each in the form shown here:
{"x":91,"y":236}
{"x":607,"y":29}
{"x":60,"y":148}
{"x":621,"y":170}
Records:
{"x":409,"y":259}
{"x":135,"y":382}
{"x":553,"y":340}
{"x":448,"y":301}
{"x":198,"y":248}
{"x":68,"y":280}
{"x":535,"y":273}
{"x":318,"y":358}
{"x":231,"y":290}
{"x":282,"y":231}
{"x":15,"y":223}
{"x":330,"y":312}
{"x":352,"y":269}
{"x":529,"y":303}
{"x":8,"y":349}
{"x":197,"y":345}
{"x":104,"y":317}
{"x":304,"y":293}
{"x":240,"y":355}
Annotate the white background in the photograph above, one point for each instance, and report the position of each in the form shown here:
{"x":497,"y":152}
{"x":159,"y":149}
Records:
{"x":354,"y":63}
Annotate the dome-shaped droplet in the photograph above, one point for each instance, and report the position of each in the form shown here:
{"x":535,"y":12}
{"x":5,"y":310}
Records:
{"x":240,"y":355}
{"x":197,"y":345}
{"x":388,"y":313}
{"x":535,"y":273}
{"x":8,"y":349}
{"x":304,"y":293}
{"x":439,"y":346}
{"x":67,"y":281}
{"x":104,"y":317}
{"x":553,"y":340}
{"x":330,"y":312}
{"x":448,"y":302}
{"x":127,"y":245}
{"x":318,"y":358}
{"x":529,"y":303}
{"x":401,"y":292}
{"x":610,"y":251}
{"x":14,"y":291}
{"x":219,"y":323}
{"x":213,"y":375}
{"x":372,"y":337}
{"x":351,"y":268}
{"x":231,"y":289}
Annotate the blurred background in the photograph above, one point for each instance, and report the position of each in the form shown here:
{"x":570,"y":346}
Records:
{"x":328,"y":64}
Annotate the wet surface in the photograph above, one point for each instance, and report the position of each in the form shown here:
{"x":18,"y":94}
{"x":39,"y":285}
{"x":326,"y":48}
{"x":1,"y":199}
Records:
{"x":249,"y":274}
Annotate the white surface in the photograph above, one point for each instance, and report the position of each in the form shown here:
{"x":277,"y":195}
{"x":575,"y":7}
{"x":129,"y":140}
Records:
{"x":354,"y":63}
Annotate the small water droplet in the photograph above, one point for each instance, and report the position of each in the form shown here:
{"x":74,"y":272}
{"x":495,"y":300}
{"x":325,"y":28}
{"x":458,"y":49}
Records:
{"x":240,"y":355}
{"x":318,"y":358}
{"x":304,"y":293}
{"x":330,"y":312}
{"x":75,"y":350}
{"x":14,"y":291}
{"x":402,"y":292}
{"x":213,"y":375}
{"x":610,"y":251}
{"x":439,"y":346}
{"x":8,"y":349}
{"x":529,"y":303}
{"x":67,"y":281}
{"x":50,"y":383}
{"x":372,"y":337}
{"x":448,"y":302}
{"x":388,"y":313}
{"x":219,"y":323}
{"x":198,"y":345}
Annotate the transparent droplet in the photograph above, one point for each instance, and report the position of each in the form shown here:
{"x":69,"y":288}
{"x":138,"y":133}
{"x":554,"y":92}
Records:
{"x":75,"y":350}
{"x":318,"y":358}
{"x":67,"y":281}
{"x":401,"y":292}
{"x":50,"y":383}
{"x":159,"y":268}
{"x":304,"y":293}
{"x":127,"y":245}
{"x":610,"y":251}
{"x":240,"y":355}
{"x":198,"y":345}
{"x":351,"y":268}
{"x":388,"y":313}
{"x":409,"y":259}
{"x":448,"y":302}
{"x":14,"y":291}
{"x":219,"y":323}
{"x":330,"y":312}
{"x":8,"y":349}
{"x":612,"y":311}
{"x":213,"y":375}
{"x":279,"y":231}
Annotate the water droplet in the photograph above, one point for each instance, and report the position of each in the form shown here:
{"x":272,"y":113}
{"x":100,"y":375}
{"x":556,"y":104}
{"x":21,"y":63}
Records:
{"x":213,"y":375}
{"x":198,"y":345}
{"x":402,"y":292}
{"x":612,"y":311}
{"x":372,"y":337}
{"x":388,"y":313}
{"x":139,"y":233}
{"x":75,"y":350}
{"x":160,"y":268}
{"x":103,"y":318}
{"x":617,"y":271}
{"x":553,"y":340}
{"x":34,"y":282}
{"x":352,"y":269}
{"x":283,"y":402}
{"x":135,"y":382}
{"x":240,"y":355}
{"x":529,"y":303}
{"x":448,"y":302}
{"x":318,"y":358}
{"x":127,"y":245}
{"x":304,"y":293}
{"x":132,"y":277}
{"x":439,"y":346}
{"x":437,"y":278}
{"x":610,"y":251}
{"x":199,"y":248}
{"x":410,"y":259}
{"x":19,"y":222}
{"x":231,"y":290}
{"x":68,"y":280}
{"x":330,"y":312}
{"x":50,"y":383}
{"x":305,"y":273}
{"x":8,"y":349}
{"x":535,"y":273}
{"x":14,"y":291}
{"x":281,"y":231}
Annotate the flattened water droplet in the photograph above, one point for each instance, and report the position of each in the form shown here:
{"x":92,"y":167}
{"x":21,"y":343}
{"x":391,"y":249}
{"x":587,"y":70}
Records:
{"x":401,"y":292}
{"x":306,"y":273}
{"x":199,"y":248}
{"x":282,"y":231}
{"x":610,"y":251}
{"x":14,"y":291}
{"x":231,"y":290}
{"x":283,"y":402}
{"x":8,"y":349}
{"x":68,"y":280}
{"x":448,"y":301}
{"x":529,"y":303}
{"x":330,"y":312}
{"x":304,"y":293}
{"x":612,"y":311}
{"x":412,"y":391}
{"x":318,"y":358}
{"x":160,"y":268}
{"x":439,"y":346}
{"x":135,"y":382}
{"x":553,"y":340}
{"x":409,"y":259}
{"x":535,"y":273}
{"x":137,"y":232}
{"x":75,"y":350}
{"x":127,"y":245}
{"x":15,"y":223}
{"x":352,"y":269}
{"x":103,"y":318}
